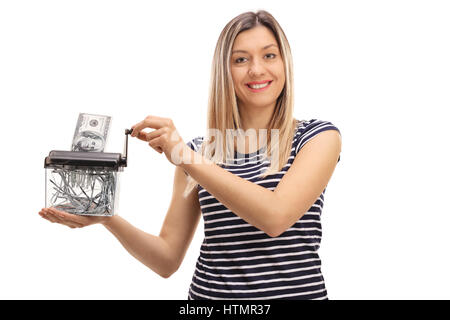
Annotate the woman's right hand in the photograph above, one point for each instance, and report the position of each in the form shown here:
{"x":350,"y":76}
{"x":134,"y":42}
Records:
{"x":69,"y":219}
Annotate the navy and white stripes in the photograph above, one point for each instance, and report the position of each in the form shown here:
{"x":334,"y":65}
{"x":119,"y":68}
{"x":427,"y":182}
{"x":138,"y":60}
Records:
{"x":239,"y":261}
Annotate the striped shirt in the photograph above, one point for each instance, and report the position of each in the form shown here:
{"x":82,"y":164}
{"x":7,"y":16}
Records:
{"x":239,"y":261}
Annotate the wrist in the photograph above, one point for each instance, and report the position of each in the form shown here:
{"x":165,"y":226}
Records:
{"x":191,"y":157}
{"x":187,"y":157}
{"x":107,"y":221}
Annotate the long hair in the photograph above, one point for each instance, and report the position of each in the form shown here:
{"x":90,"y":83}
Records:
{"x":223,"y":112}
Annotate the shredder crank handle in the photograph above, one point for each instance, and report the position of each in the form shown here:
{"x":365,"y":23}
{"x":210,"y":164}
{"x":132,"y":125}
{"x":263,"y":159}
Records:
{"x":125,"y":156}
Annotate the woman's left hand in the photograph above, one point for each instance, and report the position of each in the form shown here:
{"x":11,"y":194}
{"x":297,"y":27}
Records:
{"x":164,"y":138}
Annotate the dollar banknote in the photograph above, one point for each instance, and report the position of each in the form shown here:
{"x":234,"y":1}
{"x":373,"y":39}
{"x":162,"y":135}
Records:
{"x":91,"y":133}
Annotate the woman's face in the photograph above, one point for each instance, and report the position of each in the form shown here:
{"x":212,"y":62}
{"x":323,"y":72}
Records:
{"x":257,"y":68}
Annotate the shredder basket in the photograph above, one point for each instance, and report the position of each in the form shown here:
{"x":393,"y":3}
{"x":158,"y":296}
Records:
{"x":82,"y":191}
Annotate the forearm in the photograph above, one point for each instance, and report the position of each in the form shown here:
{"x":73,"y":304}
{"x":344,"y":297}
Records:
{"x":151,"y":250}
{"x":253,"y":203}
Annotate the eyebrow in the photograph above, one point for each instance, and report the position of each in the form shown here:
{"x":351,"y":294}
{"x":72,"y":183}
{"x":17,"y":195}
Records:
{"x":264,"y":48}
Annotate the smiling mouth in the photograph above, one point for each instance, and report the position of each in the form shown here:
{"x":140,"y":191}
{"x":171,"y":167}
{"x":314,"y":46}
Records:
{"x":259,"y":87}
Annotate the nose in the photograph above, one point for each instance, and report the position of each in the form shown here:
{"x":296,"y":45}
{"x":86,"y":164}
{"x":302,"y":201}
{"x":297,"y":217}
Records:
{"x":256,"y":68}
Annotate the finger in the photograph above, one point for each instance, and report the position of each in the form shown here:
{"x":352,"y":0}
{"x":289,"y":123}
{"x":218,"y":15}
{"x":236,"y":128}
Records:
{"x":153,"y":122}
{"x":66,"y":222}
{"x":51,"y":217}
{"x":66,"y":217}
{"x":58,"y":215}
{"x":42,"y":213}
{"x":63,"y":218}
{"x":75,"y":219}
{"x":56,"y":211}
{"x":45,"y":212}
{"x":135,"y":129}
{"x":142,"y":136}
{"x":46,"y":216}
{"x":156,"y":133}
{"x":156,"y":144}
{"x":147,"y":136}
{"x":55,"y":215}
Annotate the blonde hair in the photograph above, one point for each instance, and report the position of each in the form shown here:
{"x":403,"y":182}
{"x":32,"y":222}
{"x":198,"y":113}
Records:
{"x":223,"y":110}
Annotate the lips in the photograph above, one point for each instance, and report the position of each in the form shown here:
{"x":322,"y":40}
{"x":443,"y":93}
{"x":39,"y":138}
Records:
{"x":260,"y":85}
{"x":257,"y":82}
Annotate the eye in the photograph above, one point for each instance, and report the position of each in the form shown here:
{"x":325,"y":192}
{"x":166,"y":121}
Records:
{"x":238,"y":60}
{"x":271,"y":54}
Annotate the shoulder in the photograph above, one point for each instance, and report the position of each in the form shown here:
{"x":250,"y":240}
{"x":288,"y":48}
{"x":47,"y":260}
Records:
{"x":313,"y":126}
{"x":306,"y":130}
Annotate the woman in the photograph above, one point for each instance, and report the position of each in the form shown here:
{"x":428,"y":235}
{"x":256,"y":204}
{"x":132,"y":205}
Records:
{"x":261,"y":205}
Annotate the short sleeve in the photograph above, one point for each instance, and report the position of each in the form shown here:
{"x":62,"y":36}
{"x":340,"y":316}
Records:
{"x":195,"y":143}
{"x":310,"y":129}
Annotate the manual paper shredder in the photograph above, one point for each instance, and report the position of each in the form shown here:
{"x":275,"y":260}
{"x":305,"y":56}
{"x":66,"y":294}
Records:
{"x":84,"y":183}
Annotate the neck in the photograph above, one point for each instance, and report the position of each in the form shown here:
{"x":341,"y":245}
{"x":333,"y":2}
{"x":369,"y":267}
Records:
{"x":255,"y":118}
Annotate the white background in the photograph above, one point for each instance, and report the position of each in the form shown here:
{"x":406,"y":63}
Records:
{"x":378,"y":70}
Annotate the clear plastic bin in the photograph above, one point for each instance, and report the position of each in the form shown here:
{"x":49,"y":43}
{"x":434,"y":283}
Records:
{"x":84,"y":183}
{"x":83,"y":191}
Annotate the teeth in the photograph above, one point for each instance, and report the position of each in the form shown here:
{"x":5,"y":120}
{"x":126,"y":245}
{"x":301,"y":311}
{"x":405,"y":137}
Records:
{"x":258,"y":86}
